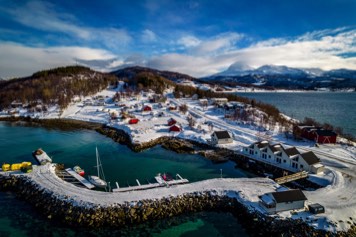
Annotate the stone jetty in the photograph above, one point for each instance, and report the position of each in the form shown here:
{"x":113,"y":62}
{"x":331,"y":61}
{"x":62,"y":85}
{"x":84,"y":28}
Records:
{"x":75,"y":206}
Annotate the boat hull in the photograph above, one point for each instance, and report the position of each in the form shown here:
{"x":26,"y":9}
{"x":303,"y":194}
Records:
{"x":97,"y":182}
{"x":79,"y":171}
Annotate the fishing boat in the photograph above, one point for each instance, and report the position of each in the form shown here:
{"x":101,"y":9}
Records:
{"x":167,"y":177}
{"x":79,"y":170}
{"x":98,"y":181}
{"x":41,"y":157}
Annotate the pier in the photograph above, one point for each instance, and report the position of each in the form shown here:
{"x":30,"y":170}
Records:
{"x":160,"y":183}
{"x":82,"y":180}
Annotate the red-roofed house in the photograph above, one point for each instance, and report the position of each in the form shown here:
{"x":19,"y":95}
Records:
{"x":318,"y":134}
{"x":175,"y":128}
{"x":147,"y":108}
{"x":133,"y":121}
{"x":171,"y":122}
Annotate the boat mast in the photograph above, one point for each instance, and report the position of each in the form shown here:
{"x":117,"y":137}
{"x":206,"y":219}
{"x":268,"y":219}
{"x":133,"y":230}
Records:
{"x":97,"y":161}
{"x":99,"y":166}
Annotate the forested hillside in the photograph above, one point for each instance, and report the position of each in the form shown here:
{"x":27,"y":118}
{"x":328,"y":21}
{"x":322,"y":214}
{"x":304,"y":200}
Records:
{"x":58,"y":86}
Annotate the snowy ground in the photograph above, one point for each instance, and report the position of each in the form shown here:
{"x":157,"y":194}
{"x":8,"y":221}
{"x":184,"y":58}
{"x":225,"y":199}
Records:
{"x":339,"y":203}
{"x":339,"y":160}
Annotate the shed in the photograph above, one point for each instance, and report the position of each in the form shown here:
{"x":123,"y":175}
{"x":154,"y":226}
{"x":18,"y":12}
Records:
{"x":221,"y":137}
{"x":283,"y":201}
{"x":316,"y":208}
{"x":175,"y":128}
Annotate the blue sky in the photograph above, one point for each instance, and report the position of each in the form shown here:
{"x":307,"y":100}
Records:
{"x":195,"y":37}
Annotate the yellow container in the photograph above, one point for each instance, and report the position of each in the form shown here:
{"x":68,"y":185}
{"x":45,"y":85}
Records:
{"x":25,"y":164}
{"x":16,"y":166}
{"x":5,"y":167}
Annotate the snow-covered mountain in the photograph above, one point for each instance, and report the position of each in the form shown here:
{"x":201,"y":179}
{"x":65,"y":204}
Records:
{"x":285,"y":77}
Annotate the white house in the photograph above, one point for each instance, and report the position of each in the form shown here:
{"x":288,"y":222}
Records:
{"x":203,"y":102}
{"x":221,"y":137}
{"x":219,"y":101}
{"x":286,"y":158}
{"x":283,"y":201}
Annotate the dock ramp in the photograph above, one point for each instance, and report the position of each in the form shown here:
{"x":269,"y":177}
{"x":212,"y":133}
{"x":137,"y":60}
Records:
{"x":292,"y":177}
{"x":82,"y":180}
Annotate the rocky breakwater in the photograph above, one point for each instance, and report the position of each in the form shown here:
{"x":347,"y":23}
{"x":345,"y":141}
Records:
{"x":75,"y":206}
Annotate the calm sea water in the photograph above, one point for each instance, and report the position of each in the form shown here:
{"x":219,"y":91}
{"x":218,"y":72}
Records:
{"x":120,"y":165}
{"x":336,"y":108}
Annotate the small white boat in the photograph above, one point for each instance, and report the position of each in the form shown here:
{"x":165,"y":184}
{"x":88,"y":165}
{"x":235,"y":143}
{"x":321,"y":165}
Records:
{"x":98,"y":181}
{"x":79,"y":170}
{"x":41,"y":157}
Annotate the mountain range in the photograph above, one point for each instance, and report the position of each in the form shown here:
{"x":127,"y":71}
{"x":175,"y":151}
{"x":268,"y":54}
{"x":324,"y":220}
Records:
{"x":285,"y":77}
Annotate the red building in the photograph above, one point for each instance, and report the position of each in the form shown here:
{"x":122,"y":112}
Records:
{"x":133,"y":121}
{"x":147,"y":108}
{"x":171,"y":122}
{"x":174,"y":128}
{"x":324,"y":136}
{"x":318,"y":134}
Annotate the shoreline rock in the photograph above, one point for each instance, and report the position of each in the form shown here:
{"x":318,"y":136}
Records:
{"x":83,"y":214}
{"x":86,"y":214}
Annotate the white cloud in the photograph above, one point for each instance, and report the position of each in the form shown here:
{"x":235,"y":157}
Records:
{"x":214,"y":45}
{"x":320,"y":49}
{"x":148,"y":36}
{"x":18,"y":60}
{"x":220,"y":43}
{"x":44,"y":16}
{"x":189,"y":41}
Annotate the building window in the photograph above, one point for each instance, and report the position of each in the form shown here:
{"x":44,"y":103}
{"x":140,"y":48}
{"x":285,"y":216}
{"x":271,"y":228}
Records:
{"x":301,"y":166}
{"x":284,"y":161}
{"x":256,"y":152}
{"x":264,"y":155}
{"x":279,"y":160}
{"x":269,"y":156}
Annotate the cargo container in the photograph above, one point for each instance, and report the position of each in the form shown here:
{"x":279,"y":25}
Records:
{"x":5,"y":167}
{"x":16,"y":166}
{"x":26,"y":164}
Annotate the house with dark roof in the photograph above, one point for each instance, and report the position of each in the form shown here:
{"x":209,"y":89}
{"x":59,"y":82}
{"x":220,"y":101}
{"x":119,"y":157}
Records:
{"x":317,"y":134}
{"x":282,"y":201}
{"x":288,"y":158}
{"x":221,"y":137}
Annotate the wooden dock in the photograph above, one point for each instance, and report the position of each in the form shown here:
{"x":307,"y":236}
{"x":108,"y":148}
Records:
{"x":292,"y":177}
{"x":160,"y":183}
{"x":82,"y":180}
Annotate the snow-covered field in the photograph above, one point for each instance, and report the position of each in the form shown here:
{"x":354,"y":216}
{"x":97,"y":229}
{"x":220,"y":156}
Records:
{"x":338,"y":196}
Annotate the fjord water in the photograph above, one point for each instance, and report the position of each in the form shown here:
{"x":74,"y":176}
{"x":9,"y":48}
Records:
{"x":120,"y":164}
{"x":336,"y":108}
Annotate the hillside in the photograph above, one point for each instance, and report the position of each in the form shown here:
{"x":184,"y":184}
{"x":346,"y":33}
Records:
{"x":131,"y":72}
{"x":55,"y":86}
{"x":282,"y":77}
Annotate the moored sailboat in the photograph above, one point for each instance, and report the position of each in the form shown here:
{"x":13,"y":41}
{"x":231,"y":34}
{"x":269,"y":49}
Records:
{"x":98,"y":181}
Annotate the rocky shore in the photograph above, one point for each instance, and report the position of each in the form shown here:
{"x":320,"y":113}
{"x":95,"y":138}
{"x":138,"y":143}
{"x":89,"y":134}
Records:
{"x":171,"y":143}
{"x":74,"y":213}
{"x":132,"y":213}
